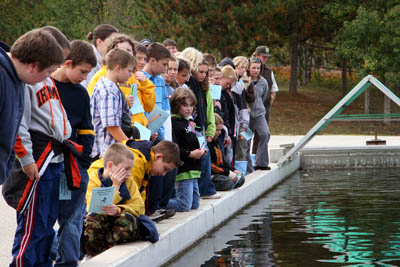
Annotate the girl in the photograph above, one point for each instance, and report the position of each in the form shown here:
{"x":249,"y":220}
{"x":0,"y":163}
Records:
{"x":204,"y":115}
{"x":258,"y":123}
{"x":183,"y":133}
{"x":101,"y":38}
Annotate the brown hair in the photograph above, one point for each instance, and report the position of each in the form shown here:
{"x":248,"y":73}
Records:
{"x":179,"y":97}
{"x":102,"y":31}
{"x":139,"y":48}
{"x":210,"y":59}
{"x":170,"y":152}
{"x":169,"y":42}
{"x":81,"y":52}
{"x":122,"y":38}
{"x":183,"y":65}
{"x":117,"y":153}
{"x":204,"y":84}
{"x":38,"y":46}
{"x":158,"y":51}
{"x":217,"y":69}
{"x":60,"y":37}
{"x":218,"y":119}
{"x":119,"y":57}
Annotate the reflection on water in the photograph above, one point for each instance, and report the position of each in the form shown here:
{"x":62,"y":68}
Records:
{"x":315,"y":218}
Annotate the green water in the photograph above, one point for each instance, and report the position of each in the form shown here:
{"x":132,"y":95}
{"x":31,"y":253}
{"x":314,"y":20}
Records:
{"x":315,"y":218}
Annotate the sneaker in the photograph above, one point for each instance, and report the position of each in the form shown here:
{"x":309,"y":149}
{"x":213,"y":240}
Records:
{"x":262,"y":168}
{"x":161,"y":214}
{"x":215,"y":196}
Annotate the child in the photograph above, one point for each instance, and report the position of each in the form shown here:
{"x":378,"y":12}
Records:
{"x":216,"y":77}
{"x":76,"y":102}
{"x":141,"y":56}
{"x":101,"y":38}
{"x":187,"y":190}
{"x":120,"y":222}
{"x":170,"y":75}
{"x":183,"y":75}
{"x":212,"y":63}
{"x":225,"y":177}
{"x":33,"y":56}
{"x":145,"y":88}
{"x":171,"y":46}
{"x":44,"y":131}
{"x":204,"y":116}
{"x":258,"y":123}
{"x":106,"y":103}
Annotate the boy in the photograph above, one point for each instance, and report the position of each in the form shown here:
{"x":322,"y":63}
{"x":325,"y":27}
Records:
{"x":170,"y":75}
{"x":155,"y":161}
{"x":141,"y":56}
{"x":43,"y":133}
{"x":106,"y":103}
{"x":120,"y":222}
{"x":171,"y":46}
{"x":212,"y":63}
{"x":32,"y":57}
{"x":76,"y":102}
{"x":224,"y":176}
{"x":183,"y":75}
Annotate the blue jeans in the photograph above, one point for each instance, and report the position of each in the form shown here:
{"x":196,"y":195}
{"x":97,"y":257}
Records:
{"x":206,"y":187}
{"x":35,"y":234}
{"x":70,"y":219}
{"x":187,"y":196}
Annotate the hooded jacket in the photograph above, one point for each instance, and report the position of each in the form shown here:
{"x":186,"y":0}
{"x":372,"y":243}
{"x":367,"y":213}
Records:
{"x":11,"y":111}
{"x":261,"y":92}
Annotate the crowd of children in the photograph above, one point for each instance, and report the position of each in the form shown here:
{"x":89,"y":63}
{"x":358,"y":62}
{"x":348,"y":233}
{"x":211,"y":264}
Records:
{"x":160,"y":128}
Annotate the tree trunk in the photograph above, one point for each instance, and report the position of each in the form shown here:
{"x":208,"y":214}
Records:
{"x":344,"y":77}
{"x":294,"y":62}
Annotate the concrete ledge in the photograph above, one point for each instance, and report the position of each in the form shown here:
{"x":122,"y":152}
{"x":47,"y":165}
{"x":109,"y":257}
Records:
{"x":350,"y":157}
{"x":184,"y":229}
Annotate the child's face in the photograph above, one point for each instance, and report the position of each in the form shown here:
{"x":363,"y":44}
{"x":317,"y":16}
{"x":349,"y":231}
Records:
{"x":254,"y":69}
{"x":103,"y":45}
{"x":172,"y":70}
{"x":78,"y":73}
{"x":172,"y":49}
{"x":241,"y":69}
{"x":160,"y":168}
{"x":226,"y":83}
{"x":182,"y":77}
{"x":141,"y":59}
{"x":126,"y":165}
{"x":126,"y":46}
{"x":211,"y":70}
{"x":123,"y":74}
{"x":218,"y":129}
{"x":186,"y":108}
{"x":33,"y":75}
{"x":158,"y":67}
{"x":216,"y":78}
{"x":201,"y":73}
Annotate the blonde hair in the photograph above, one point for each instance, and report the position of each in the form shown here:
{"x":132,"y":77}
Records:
{"x":117,"y":153}
{"x":218,"y":119}
{"x":117,"y":56}
{"x":240,"y":60}
{"x":229,"y":73}
{"x":193,"y":56}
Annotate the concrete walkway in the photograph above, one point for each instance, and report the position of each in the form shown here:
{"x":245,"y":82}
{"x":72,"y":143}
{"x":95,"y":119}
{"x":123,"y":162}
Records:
{"x":8,"y":225}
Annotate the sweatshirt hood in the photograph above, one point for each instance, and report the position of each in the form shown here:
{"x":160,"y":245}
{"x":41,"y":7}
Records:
{"x":6,"y":63}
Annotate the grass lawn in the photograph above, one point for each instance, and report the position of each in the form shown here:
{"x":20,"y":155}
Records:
{"x":297,"y":114}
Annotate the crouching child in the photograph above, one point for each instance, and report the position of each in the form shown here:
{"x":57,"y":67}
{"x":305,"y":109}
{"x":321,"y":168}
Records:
{"x":122,"y":221}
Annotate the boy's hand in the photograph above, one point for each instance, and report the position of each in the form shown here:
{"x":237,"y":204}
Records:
{"x":111,"y":210}
{"x":140,"y":76}
{"x":197,"y":153}
{"x":118,"y":177}
{"x":154,"y":137}
{"x":209,"y":139}
{"x":131,"y":100}
{"x":31,"y":171}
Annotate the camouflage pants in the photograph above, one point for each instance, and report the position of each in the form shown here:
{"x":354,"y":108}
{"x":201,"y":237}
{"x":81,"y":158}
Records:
{"x":103,"y":231}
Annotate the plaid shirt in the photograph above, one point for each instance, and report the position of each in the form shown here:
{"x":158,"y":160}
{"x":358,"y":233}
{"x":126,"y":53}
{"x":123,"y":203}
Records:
{"x":106,"y":108}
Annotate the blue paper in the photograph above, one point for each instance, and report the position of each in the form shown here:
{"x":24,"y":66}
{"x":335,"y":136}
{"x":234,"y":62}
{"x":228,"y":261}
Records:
{"x":145,"y":133}
{"x":202,"y":141}
{"x":65,"y":193}
{"x":247,"y":134}
{"x":156,"y":119}
{"x":137,"y":105}
{"x":102,"y":196}
{"x":241,"y":166}
{"x":253,"y":159}
{"x":215,"y":91}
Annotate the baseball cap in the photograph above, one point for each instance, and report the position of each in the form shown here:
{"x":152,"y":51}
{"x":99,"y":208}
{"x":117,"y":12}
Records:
{"x":262,"y":50}
{"x":145,"y":42}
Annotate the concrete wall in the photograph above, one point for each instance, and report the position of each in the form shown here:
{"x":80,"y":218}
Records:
{"x":184,"y":229}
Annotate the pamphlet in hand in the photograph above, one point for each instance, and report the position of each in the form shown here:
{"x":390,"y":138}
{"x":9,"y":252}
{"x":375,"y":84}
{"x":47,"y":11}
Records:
{"x":215,"y":91}
{"x":145,"y":133}
{"x":247,"y":134}
{"x":202,"y":141}
{"x":102,"y":196}
{"x":137,"y":105}
{"x":156,"y":119}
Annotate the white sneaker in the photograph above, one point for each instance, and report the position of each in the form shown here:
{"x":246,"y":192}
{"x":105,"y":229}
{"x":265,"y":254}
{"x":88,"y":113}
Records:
{"x":215,"y":196}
